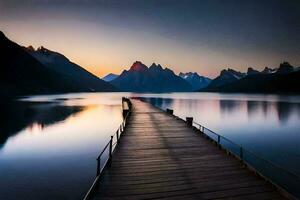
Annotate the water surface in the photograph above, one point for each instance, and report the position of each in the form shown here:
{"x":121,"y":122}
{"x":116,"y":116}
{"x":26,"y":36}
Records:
{"x":48,"y":144}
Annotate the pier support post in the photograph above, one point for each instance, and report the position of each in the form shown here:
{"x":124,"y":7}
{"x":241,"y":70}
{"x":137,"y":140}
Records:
{"x":169,"y":111}
{"x":189,"y":121}
{"x":98,"y":167}
{"x":241,"y":153}
{"x":118,"y":136}
{"x":125,"y":112}
{"x":110,"y":149}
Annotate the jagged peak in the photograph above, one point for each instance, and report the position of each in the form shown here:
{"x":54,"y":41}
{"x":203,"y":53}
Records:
{"x":285,"y":67}
{"x":223,"y":71}
{"x":251,"y":70}
{"x":30,"y":48}
{"x":156,"y":66}
{"x":285,"y":64}
{"x":267,"y":70}
{"x":138,"y":66}
{"x":153,"y":65}
{"x":232,"y":72}
{"x":40,"y":49}
{"x":43,"y":49}
{"x":169,"y":70}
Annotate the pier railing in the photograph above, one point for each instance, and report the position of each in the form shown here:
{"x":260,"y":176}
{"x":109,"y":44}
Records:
{"x":286,"y":181}
{"x":104,"y":159}
{"x":270,"y":171}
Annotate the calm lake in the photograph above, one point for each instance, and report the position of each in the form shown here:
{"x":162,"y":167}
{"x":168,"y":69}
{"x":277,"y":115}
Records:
{"x":48,"y":144}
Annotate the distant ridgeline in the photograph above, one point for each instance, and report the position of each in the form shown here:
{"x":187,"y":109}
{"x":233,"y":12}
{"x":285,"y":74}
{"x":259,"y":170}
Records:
{"x":28,"y":71}
{"x":25,"y":71}
{"x":284,"y":79}
{"x":140,"y":78}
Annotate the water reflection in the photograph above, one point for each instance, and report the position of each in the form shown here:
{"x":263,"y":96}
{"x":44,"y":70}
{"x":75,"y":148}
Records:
{"x":55,"y":138}
{"x":49,"y":143}
{"x":253,"y":107}
{"x":264,"y":109}
{"x":229,"y":106}
{"x":163,"y":103}
{"x":16,"y":115}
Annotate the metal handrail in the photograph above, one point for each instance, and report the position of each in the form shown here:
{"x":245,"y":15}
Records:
{"x":243,"y":149}
{"x":112,"y":147}
{"x":294,"y":177}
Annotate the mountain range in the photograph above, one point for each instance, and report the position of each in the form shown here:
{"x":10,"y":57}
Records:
{"x":140,"y":78}
{"x":197,"y":82}
{"x":284,"y":79}
{"x":226,"y":76}
{"x":25,"y":71}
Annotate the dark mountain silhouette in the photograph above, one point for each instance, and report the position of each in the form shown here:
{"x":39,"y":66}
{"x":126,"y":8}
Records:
{"x":285,"y":68}
{"x":225,"y":77}
{"x":268,"y":70}
{"x":197,"y":81}
{"x":21,"y":74}
{"x":109,"y":77}
{"x":140,"y":78}
{"x":73,"y":72}
{"x":252,"y":71}
{"x":283,"y":80}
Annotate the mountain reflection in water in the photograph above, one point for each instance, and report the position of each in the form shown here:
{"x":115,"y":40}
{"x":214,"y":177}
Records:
{"x":48,"y":143}
{"x":283,"y":110}
{"x":17,"y":115}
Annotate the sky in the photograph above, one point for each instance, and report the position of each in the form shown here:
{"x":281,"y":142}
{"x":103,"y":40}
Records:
{"x":204,"y":36}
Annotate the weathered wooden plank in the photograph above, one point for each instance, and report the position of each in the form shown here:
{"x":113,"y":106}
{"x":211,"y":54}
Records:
{"x":159,"y":157}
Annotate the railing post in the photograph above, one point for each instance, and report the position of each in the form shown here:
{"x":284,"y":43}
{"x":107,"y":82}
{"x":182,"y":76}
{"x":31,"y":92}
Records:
{"x":189,"y":121}
{"x":123,"y":99}
{"x":118,"y":136}
{"x":241,"y":153}
{"x":169,"y":111}
{"x":110,"y":149}
{"x":98,"y":166}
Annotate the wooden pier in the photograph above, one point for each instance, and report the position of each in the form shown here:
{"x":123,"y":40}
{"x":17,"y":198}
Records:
{"x":161,"y":157}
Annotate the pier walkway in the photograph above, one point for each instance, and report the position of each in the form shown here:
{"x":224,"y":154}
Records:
{"x":160,"y":157}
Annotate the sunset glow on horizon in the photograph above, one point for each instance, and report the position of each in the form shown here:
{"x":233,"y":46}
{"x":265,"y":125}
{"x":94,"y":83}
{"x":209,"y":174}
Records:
{"x":108,"y":36}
